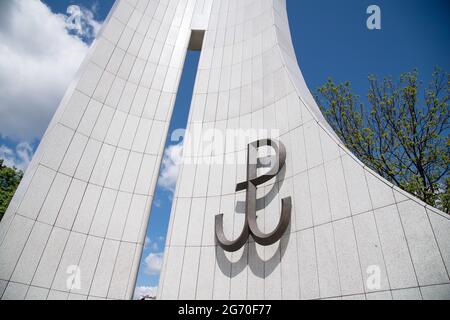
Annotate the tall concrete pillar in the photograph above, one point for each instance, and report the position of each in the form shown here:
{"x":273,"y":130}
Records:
{"x":82,"y":208}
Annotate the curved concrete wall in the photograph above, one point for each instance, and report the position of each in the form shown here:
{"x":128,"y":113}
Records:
{"x":85,"y":198}
{"x":348,"y":224}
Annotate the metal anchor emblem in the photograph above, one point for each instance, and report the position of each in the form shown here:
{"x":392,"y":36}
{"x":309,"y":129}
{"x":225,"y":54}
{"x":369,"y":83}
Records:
{"x":253,"y":181}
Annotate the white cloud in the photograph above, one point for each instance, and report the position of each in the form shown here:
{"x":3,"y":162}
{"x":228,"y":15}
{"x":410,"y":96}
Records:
{"x":82,"y":21}
{"x":170,"y":166}
{"x":153,"y":264}
{"x":141,"y":292}
{"x":147,"y":242}
{"x":38,"y":59}
{"x":19,"y":158}
{"x":153,"y":245}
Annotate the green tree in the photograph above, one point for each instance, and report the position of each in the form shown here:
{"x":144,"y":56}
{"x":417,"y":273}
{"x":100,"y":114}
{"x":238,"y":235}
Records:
{"x":9,"y":181}
{"x":403,"y":133}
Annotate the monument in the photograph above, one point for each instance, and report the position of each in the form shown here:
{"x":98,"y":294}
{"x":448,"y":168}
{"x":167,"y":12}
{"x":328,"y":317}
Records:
{"x":319,"y":224}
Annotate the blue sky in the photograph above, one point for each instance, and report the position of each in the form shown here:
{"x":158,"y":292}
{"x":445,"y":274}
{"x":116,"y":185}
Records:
{"x":330,"y":39}
{"x":101,"y":8}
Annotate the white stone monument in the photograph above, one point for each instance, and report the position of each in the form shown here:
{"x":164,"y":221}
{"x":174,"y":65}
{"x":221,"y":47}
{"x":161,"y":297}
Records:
{"x":76,"y":227}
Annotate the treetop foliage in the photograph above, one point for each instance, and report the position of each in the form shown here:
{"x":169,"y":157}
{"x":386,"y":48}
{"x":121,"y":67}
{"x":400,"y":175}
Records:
{"x":402,"y":133}
{"x":9,"y":181}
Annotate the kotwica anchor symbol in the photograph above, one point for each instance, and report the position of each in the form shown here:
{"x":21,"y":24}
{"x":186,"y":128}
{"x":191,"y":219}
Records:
{"x":253,"y":181}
